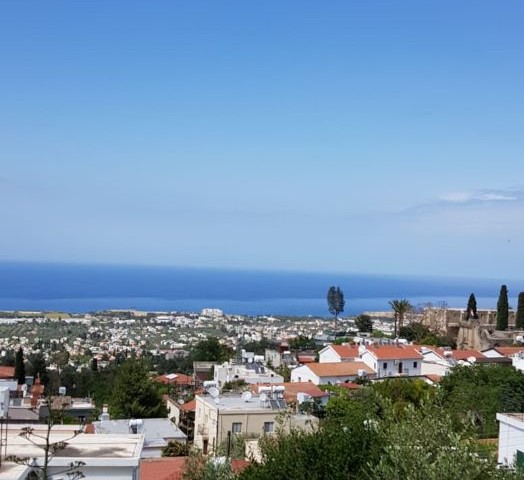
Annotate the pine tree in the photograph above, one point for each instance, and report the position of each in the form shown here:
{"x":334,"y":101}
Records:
{"x":471,"y":312}
{"x":502,"y":309}
{"x":519,"y":322}
{"x":336,"y":302}
{"x":20,"y":366}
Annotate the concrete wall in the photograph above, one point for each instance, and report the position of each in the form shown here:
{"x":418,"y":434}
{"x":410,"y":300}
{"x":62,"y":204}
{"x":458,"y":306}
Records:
{"x":392,"y":368}
{"x":328,"y":355}
{"x":511,"y":438}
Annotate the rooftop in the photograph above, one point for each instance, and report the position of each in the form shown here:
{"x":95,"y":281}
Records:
{"x":235,"y":402}
{"x":394,"y":352}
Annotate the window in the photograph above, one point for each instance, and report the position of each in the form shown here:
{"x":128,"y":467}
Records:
{"x":269,"y":427}
{"x":415,"y":364}
{"x":385,"y":366}
{"x":236,"y":427}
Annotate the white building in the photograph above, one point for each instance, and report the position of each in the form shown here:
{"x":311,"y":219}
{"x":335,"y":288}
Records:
{"x":393,"y":360}
{"x":249,"y":372}
{"x":331,"y":373}
{"x":516,"y":354}
{"x":338,"y":353}
{"x":511,"y":439}
{"x":106,"y":457}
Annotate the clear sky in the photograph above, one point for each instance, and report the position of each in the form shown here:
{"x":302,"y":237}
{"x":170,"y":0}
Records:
{"x":351,"y":136}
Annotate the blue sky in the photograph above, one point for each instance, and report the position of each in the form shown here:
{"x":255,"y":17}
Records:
{"x":350,"y":136}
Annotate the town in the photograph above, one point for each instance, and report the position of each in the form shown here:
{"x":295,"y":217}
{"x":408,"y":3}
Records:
{"x":182,"y":394}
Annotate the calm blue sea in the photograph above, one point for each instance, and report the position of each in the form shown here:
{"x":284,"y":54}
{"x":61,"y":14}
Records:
{"x":84,"y":288}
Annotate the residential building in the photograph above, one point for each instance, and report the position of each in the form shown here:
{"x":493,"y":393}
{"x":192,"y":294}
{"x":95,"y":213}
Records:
{"x":239,"y":414}
{"x":393,"y":360}
{"x":338,"y":353}
{"x":331,"y":373}
{"x":511,"y":439}
{"x":158,"y":432}
{"x":248,"y":372}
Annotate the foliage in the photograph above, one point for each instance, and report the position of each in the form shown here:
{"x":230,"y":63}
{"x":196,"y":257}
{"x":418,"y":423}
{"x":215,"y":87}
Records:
{"x":421,"y":334}
{"x":471,"y":311}
{"x":478,"y":392}
{"x":199,"y":467}
{"x":335,"y":300}
{"x":37,"y":367}
{"x":211,"y":350}
{"x":519,"y":321}
{"x":502,"y":309}
{"x":424,"y":446}
{"x":175,"y":449}
{"x":235,"y":449}
{"x":364,"y":323}
{"x":135,"y":395}
{"x":235,"y":386}
{"x":302,"y":343}
{"x":400,"y":308}
{"x":20,"y":366}
{"x":258,"y":348}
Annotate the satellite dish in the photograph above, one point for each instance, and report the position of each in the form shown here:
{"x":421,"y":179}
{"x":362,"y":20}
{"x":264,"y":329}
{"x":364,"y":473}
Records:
{"x":263,"y":397}
{"x":246,"y":396}
{"x":213,"y":391}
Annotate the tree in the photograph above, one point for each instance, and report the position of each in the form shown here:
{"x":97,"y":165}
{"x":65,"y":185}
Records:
{"x":94,"y":364}
{"x":175,"y":449}
{"x":471,"y":312}
{"x":364,"y":323}
{"x":425,"y":445}
{"x":519,"y":321}
{"x":502,"y":309}
{"x":211,"y":350}
{"x":135,"y":395}
{"x":20,"y":366}
{"x":37,"y":367}
{"x":336,"y":302}
{"x":478,"y":392}
{"x":400,"y":308}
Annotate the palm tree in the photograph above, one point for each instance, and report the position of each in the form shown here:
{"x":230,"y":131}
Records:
{"x":400,"y":308}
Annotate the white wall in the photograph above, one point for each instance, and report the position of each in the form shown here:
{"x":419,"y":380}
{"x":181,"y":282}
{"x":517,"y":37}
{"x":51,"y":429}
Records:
{"x":511,"y":438}
{"x":392,"y":366}
{"x":101,"y":473}
{"x":328,"y":355}
{"x":304,"y":374}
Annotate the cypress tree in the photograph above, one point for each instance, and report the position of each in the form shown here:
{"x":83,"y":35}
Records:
{"x":471,"y":312}
{"x":503,"y":309}
{"x":519,"y":322}
{"x":20,"y":366}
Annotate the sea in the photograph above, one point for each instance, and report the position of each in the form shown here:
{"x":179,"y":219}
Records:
{"x":89,"y":288}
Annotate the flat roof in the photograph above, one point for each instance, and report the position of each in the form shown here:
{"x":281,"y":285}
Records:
{"x":92,"y":449}
{"x":227,"y":403}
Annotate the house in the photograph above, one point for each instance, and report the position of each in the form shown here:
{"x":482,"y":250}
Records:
{"x":393,"y":360}
{"x":111,"y":457}
{"x":515,"y":354}
{"x":176,"y":379}
{"x":183,"y":415}
{"x":248,"y":372}
{"x":338,"y":353}
{"x":157,"y":432}
{"x":295,"y":392}
{"x":249,"y":415}
{"x":331,"y":373}
{"x":511,"y":439}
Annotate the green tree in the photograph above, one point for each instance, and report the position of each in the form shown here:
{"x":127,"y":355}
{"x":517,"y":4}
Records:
{"x":175,"y":449}
{"x":426,"y":446}
{"x":211,"y":350}
{"x":336,"y":303}
{"x":471,"y":311}
{"x":478,"y":392}
{"x":20,"y":366}
{"x":94,"y":364}
{"x":502,"y":309}
{"x":135,"y":395}
{"x":37,"y":367}
{"x":519,"y":321}
{"x":364,"y":323}
{"x":400,"y":308}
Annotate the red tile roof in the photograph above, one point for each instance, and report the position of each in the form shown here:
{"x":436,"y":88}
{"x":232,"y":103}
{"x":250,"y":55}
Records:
{"x":7,"y":373}
{"x":465,"y":354}
{"x":306,"y":358}
{"x":173,"y":468}
{"x":509,"y":351}
{"x":394,"y":352}
{"x":345,"y":351}
{"x":178,"y":379}
{"x":189,"y":406}
{"x":168,"y":468}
